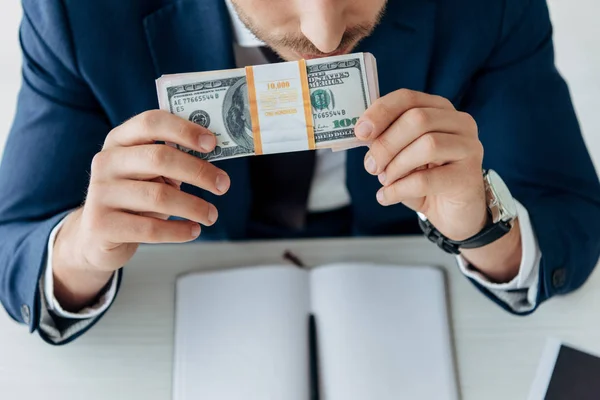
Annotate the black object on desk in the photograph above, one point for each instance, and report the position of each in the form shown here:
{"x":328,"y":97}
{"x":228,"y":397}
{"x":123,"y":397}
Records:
{"x":313,"y":349}
{"x":576,"y":375}
{"x":566,"y":372}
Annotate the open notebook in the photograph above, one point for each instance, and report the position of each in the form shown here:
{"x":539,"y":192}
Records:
{"x":382,"y":333}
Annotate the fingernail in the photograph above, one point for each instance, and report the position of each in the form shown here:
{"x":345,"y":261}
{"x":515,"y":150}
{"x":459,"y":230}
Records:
{"x":222,"y":183}
{"x":196,"y":231}
{"x":207,"y":142}
{"x":382,"y":178}
{"x":363,"y":129}
{"x":213,"y":214}
{"x":380,"y":197}
{"x":370,"y":165}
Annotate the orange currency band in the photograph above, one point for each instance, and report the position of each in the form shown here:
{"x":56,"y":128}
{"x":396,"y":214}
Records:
{"x":310,"y":131}
{"x":253,"y":111}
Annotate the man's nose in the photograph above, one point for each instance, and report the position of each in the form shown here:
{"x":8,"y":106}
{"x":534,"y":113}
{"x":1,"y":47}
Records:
{"x":322,"y":22}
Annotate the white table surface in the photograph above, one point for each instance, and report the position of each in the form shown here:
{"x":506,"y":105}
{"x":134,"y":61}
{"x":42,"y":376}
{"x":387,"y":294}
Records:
{"x":128,"y":355}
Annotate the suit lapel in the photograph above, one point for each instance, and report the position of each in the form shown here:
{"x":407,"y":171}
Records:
{"x":402,"y":45}
{"x":192,"y":36}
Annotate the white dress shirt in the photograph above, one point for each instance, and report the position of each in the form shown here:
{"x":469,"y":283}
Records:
{"x":328,"y":192}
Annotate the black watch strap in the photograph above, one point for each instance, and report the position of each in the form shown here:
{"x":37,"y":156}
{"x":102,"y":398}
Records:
{"x":489,"y":234}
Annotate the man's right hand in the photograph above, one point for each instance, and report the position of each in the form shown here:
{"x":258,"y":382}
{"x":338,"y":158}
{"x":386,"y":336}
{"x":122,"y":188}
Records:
{"x":133,"y":190}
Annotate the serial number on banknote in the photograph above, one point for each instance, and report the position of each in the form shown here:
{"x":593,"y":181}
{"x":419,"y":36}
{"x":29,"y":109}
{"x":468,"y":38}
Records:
{"x":329,"y":114}
{"x":179,"y":104}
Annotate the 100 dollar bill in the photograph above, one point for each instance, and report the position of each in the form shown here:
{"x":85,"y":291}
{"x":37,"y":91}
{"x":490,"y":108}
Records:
{"x":341,"y":89}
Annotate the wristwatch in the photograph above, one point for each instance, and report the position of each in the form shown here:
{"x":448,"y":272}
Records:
{"x":502,"y":212}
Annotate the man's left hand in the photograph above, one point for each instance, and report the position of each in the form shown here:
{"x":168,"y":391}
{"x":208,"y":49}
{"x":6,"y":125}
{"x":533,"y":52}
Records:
{"x":428,"y":156}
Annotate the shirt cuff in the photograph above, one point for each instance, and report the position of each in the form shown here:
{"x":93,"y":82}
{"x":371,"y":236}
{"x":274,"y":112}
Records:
{"x":48,"y":284}
{"x":520,"y":294}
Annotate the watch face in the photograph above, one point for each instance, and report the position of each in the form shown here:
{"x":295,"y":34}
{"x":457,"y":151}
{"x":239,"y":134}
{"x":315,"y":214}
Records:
{"x":502,"y":196}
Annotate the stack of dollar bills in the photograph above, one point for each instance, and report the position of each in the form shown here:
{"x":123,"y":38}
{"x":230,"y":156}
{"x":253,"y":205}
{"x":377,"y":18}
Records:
{"x":275,"y":108}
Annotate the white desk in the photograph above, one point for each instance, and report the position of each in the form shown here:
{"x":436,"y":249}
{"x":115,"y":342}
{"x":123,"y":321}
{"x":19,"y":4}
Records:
{"x":127,"y":355}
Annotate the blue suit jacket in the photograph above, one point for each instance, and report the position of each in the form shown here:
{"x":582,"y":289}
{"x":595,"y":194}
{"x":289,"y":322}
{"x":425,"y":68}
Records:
{"x":91,"y":65}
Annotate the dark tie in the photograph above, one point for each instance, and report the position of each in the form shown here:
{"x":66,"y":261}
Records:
{"x":280,"y":183}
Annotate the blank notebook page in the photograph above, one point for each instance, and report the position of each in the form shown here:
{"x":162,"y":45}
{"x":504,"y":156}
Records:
{"x":383,"y":333}
{"x":241,"y":335}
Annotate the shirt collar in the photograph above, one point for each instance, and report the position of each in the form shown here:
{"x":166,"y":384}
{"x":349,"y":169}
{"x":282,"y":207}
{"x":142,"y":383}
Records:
{"x":243,"y":36}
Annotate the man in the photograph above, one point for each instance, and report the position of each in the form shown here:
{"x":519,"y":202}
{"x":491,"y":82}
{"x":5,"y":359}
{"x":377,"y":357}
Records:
{"x":85,"y":179}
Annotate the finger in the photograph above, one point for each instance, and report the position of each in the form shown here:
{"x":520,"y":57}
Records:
{"x":157,"y":125}
{"x":426,"y":182}
{"x":431,"y":148}
{"x":148,"y":162}
{"x":170,"y":182}
{"x":410,"y":126}
{"x":385,"y":110}
{"x":121,"y":227}
{"x":155,"y":198}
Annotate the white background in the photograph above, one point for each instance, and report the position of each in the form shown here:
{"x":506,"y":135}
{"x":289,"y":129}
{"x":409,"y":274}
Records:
{"x":577,"y":37}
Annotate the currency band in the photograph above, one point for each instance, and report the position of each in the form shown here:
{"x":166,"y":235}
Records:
{"x":280,"y":108}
